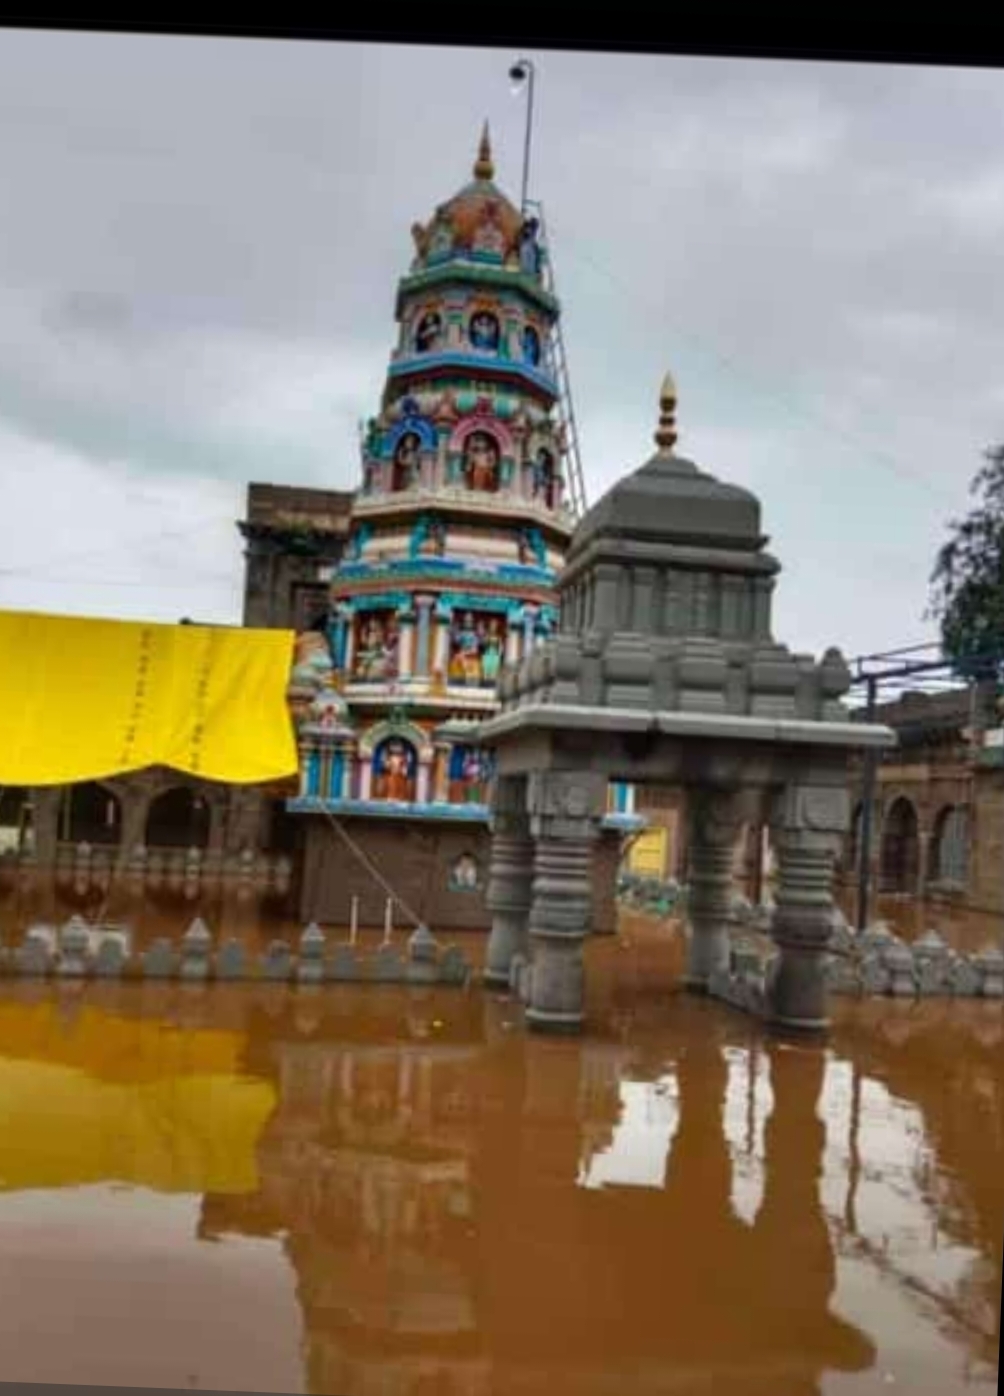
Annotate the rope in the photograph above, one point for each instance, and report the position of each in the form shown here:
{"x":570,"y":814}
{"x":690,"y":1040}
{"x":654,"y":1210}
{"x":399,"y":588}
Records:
{"x":372,"y":870}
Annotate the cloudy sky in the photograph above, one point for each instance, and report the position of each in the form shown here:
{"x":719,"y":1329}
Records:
{"x":200,"y":238}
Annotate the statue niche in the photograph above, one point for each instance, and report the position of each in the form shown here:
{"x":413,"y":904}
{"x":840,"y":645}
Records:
{"x":477,"y":644}
{"x":470,"y":772}
{"x":429,"y":334}
{"x":394,"y":766}
{"x":484,"y":332}
{"x":406,"y":462}
{"x":376,"y":647}
{"x":543,"y":478}
{"x":531,"y":346}
{"x":481,"y":462}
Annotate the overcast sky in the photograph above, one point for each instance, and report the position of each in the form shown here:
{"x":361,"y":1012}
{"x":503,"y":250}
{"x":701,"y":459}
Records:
{"x":200,"y":239}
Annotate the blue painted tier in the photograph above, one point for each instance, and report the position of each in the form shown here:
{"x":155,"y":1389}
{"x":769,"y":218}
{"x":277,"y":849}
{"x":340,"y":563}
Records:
{"x":441,"y":811}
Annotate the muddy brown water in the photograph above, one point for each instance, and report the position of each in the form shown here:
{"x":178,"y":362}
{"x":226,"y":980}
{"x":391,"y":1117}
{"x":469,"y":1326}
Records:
{"x":375,"y":1191}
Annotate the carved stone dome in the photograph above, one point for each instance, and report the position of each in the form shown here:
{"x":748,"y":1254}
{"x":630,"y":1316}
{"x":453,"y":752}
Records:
{"x":478,"y":219}
{"x":671,"y":499}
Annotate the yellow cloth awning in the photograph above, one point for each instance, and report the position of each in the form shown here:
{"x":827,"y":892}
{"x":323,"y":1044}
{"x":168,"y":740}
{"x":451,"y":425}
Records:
{"x":81,"y":699}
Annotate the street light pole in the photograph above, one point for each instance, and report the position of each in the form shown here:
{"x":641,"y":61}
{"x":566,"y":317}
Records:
{"x":520,"y":73}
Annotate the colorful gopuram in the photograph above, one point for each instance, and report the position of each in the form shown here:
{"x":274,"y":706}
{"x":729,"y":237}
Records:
{"x":458,"y":532}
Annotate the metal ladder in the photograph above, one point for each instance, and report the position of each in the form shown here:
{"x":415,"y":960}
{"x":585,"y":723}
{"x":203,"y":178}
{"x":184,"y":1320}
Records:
{"x":556,"y":362}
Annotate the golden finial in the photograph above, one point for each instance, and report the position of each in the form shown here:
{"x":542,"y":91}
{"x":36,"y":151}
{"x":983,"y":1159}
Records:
{"x":665,"y":437}
{"x":484,"y":168}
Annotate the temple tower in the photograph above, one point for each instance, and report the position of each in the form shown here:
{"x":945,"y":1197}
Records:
{"x":459,"y":530}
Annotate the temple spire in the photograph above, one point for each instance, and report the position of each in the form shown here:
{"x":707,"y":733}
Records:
{"x":665,"y":437}
{"x":484,"y":167}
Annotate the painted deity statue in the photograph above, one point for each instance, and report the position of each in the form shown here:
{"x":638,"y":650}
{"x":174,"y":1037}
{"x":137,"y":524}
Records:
{"x":406,"y":462}
{"x":489,"y":236}
{"x":481,"y":461}
{"x":529,"y":249}
{"x":429,"y":332}
{"x":377,"y":655}
{"x":531,"y":346}
{"x":484,"y":331}
{"x":466,"y":664}
{"x":313,"y":667}
{"x":491,"y":656}
{"x":542,"y":475}
{"x":395,"y":772}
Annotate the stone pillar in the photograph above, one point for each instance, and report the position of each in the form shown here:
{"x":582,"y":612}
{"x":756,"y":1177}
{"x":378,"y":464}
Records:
{"x":565,"y":813}
{"x":713,"y":819}
{"x":510,"y":877}
{"x":441,"y":649}
{"x":808,"y":824}
{"x":365,"y":777}
{"x":406,"y":651}
{"x":349,"y":647}
{"x":135,"y":805}
{"x":529,"y":629}
{"x":440,"y":775}
{"x":924,"y":839}
{"x":343,"y":624}
{"x":422,"y":780}
{"x":512,"y":639}
{"x":423,"y":635}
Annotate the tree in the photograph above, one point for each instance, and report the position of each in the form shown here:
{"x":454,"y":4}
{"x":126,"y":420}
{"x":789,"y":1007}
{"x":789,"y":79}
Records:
{"x":967,"y":583}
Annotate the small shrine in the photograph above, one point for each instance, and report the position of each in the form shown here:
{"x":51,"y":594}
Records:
{"x":663,"y":669}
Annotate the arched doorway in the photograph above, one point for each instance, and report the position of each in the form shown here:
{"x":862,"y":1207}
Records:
{"x":950,"y":846}
{"x":90,"y":814}
{"x":16,"y":832}
{"x":900,"y":848}
{"x":178,"y":818}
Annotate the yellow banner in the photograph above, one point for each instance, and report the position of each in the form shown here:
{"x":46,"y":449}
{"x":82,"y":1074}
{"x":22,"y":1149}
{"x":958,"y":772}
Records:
{"x":81,"y":699}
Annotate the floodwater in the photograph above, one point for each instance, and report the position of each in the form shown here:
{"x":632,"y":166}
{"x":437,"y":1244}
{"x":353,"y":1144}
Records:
{"x":375,"y":1191}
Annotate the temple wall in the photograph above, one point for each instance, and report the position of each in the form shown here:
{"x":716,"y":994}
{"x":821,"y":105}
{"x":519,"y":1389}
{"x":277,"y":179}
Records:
{"x":419,"y":862}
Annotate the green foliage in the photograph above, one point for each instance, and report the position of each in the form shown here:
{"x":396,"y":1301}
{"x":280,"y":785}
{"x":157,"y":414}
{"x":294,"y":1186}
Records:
{"x":967,"y":583}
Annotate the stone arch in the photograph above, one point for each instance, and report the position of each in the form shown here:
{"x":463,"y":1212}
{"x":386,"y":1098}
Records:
{"x":411,"y":422}
{"x":900,"y":855}
{"x":178,"y":817}
{"x":949,"y":852}
{"x":482,"y":422}
{"x":407,"y":731}
{"x":91,"y":813}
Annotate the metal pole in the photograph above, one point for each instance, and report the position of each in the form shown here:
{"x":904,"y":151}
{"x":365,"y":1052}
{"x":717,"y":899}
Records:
{"x":524,"y":68}
{"x":868,"y":800}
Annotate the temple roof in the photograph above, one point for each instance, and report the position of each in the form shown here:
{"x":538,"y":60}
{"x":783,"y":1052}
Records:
{"x":478,"y":206}
{"x":669,"y":497}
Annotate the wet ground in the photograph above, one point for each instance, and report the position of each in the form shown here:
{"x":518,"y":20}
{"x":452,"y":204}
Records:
{"x":371,"y":1191}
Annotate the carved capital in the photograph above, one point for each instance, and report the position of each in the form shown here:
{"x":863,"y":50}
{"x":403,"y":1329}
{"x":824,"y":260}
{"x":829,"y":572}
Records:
{"x":578,"y":796}
{"x":817,"y":809}
{"x":715,"y":817}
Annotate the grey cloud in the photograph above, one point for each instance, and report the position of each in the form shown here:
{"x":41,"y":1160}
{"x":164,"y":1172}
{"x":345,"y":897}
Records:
{"x":200,"y":240}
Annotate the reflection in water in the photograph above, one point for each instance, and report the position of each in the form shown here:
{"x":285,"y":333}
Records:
{"x":677,"y":1205}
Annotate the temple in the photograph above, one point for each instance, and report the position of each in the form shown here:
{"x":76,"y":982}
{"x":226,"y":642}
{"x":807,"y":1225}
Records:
{"x":458,"y":533}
